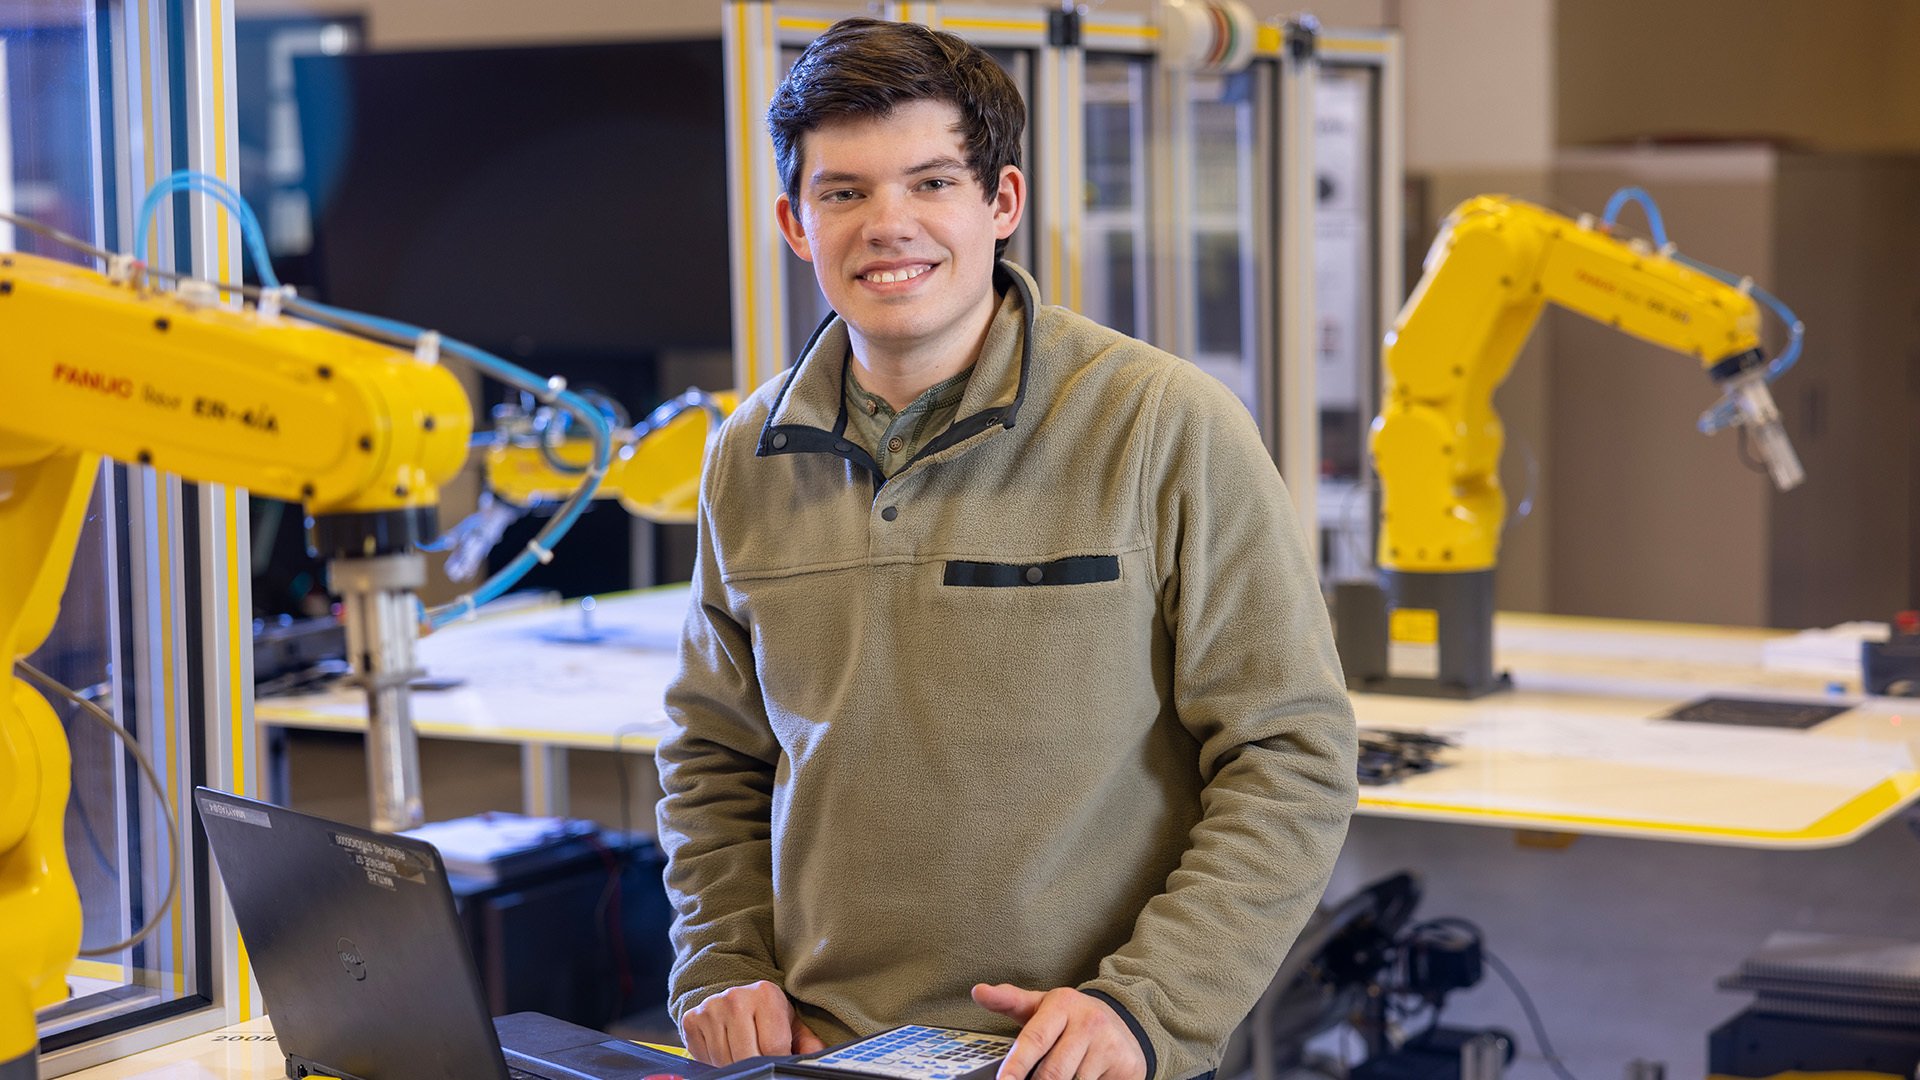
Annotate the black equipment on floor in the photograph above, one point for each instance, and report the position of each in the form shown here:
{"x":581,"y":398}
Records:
{"x":1823,"y":1002}
{"x":1357,"y":962}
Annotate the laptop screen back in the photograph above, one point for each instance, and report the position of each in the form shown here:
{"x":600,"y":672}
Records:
{"x":356,"y":944}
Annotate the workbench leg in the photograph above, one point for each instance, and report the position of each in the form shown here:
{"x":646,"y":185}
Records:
{"x":543,"y":779}
{"x":276,"y":770}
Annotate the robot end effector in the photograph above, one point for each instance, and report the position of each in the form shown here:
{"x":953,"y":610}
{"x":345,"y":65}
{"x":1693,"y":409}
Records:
{"x":1747,"y":404}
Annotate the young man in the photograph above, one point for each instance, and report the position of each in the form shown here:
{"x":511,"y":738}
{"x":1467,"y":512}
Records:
{"x":1007,"y":699}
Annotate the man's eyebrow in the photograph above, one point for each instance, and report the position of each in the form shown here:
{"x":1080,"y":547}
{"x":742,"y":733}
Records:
{"x":823,"y":178}
{"x":943,"y":163}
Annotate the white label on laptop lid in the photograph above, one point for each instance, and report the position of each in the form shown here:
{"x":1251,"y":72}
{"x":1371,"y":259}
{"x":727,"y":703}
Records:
{"x":230,"y":812}
{"x":384,"y":863}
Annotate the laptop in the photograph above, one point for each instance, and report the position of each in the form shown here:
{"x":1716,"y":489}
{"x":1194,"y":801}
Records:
{"x":363,"y":967}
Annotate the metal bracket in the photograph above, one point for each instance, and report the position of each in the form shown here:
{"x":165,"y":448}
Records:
{"x":1064,"y":27}
{"x":1303,"y":37}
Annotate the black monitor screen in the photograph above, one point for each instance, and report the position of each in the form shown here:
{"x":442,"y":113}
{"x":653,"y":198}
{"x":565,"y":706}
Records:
{"x":562,"y":206}
{"x":549,"y":200}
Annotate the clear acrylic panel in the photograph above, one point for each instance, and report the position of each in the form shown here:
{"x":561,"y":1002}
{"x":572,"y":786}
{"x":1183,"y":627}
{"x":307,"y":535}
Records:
{"x":46,"y":148}
{"x":1347,"y":330}
{"x":1118,"y":222}
{"x":1227,"y":191}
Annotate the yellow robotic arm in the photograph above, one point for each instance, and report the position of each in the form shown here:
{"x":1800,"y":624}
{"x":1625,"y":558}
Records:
{"x":1496,"y":263}
{"x":281,"y":407}
{"x":361,"y":433}
{"x":655,"y":471}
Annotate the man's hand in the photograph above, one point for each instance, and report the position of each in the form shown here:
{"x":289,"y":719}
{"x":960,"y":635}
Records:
{"x":1064,"y":1035}
{"x":746,"y":1021}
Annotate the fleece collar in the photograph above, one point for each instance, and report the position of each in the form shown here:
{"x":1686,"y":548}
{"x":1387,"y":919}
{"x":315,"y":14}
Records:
{"x":809,"y":415}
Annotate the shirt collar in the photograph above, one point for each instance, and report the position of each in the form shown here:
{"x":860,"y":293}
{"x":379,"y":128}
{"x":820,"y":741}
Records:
{"x":945,"y":394}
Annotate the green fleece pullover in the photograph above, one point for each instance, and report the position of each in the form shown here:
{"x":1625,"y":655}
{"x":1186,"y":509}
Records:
{"x":1055,"y":705}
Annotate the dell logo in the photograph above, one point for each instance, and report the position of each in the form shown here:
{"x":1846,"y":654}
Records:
{"x":350,"y":959}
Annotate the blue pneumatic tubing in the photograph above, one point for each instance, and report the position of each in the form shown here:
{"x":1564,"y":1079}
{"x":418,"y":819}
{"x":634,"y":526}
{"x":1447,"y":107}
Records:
{"x":223,"y":194}
{"x":509,"y":372}
{"x":504,"y":370}
{"x":1656,"y":225}
{"x":1722,"y":414}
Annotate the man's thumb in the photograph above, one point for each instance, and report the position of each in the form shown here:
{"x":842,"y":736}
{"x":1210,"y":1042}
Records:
{"x":1007,"y":1000}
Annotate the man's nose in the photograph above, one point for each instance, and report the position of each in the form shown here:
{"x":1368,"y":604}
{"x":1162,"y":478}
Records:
{"x":890,"y":217}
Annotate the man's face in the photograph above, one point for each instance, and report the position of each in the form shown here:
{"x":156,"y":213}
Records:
{"x":898,"y":231}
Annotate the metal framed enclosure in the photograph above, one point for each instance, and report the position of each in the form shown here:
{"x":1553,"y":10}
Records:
{"x":1178,"y":202}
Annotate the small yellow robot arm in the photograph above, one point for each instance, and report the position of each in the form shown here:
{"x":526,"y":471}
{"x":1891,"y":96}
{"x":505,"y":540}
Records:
{"x":1436,"y":445}
{"x":1496,"y":264}
{"x":655,"y":471}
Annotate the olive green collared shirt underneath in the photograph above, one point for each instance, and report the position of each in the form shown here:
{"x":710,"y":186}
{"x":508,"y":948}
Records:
{"x":894,"y":437}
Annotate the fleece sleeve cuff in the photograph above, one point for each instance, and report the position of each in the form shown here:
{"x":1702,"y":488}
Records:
{"x":1133,"y":1025}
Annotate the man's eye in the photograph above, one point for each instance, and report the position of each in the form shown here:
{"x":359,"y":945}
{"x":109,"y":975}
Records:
{"x":937,"y":183}
{"x":840,"y":196}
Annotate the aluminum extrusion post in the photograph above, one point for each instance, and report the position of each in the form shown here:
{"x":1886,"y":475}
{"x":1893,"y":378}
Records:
{"x":382,"y":620}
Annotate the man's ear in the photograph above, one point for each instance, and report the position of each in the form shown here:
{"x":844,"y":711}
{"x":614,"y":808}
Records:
{"x":1009,"y":202}
{"x":790,"y":227}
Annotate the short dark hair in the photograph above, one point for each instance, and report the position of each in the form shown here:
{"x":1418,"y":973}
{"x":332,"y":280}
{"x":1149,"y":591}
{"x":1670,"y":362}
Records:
{"x":867,"y":67}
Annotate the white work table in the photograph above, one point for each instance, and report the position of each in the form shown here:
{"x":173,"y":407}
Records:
{"x":546,"y":679}
{"x":245,"y":1051}
{"x":1573,"y":748}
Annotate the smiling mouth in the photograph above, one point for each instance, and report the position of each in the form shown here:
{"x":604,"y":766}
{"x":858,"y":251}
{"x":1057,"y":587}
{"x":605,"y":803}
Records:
{"x":890,"y":277}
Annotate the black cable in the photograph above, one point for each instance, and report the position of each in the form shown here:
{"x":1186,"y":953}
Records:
{"x":56,"y":235}
{"x":1526,"y":1004}
{"x":48,"y":682}
{"x":106,"y":257}
{"x":1513,"y":983}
